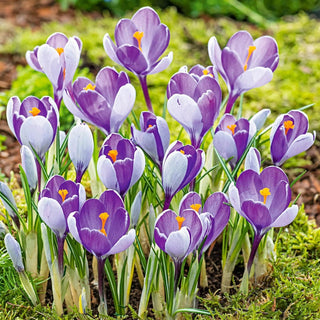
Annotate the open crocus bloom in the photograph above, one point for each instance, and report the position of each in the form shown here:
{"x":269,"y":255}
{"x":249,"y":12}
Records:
{"x":34,"y":122}
{"x":102,"y":224}
{"x":289,"y":136}
{"x":58,"y":58}
{"x":194,"y":102}
{"x":214,"y":215}
{"x":120,"y":164}
{"x":140,"y":42}
{"x":244,"y":63}
{"x":105,"y":103}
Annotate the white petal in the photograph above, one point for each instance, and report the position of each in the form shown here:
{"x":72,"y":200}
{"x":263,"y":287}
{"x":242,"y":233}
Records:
{"x":107,"y":174}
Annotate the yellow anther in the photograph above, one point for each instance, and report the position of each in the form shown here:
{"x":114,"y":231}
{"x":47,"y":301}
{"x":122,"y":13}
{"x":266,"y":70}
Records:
{"x":207,"y":73}
{"x":250,"y":51}
{"x":34,"y":111}
{"x":64,"y":73}
{"x":180,"y":221}
{"x":288,"y":125}
{"x":138,"y":35}
{"x":103,"y":216}
{"x":59,"y":50}
{"x":150,"y":126}
{"x":89,"y":87}
{"x":196,"y":206}
{"x":63,"y":193}
{"x":182,"y":151}
{"x":265,"y":192}
{"x":232,"y":128}
{"x":113,"y":155}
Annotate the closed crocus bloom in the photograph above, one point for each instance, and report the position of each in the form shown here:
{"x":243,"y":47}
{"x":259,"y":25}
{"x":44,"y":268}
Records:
{"x":154,"y":137}
{"x":214,"y":215}
{"x":289,"y":136}
{"x":34,"y":122}
{"x":29,"y":166}
{"x":244,"y":63}
{"x":14,"y":251}
{"x":4,"y":189}
{"x":263,"y":200}
{"x":120,"y":164}
{"x":140,"y":42}
{"x":105,"y":103}
{"x":194,"y":102}
{"x":181,"y":165}
{"x":80,"y":147}
{"x":58,"y":58}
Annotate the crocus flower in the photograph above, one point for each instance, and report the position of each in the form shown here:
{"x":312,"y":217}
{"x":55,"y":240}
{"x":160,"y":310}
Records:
{"x":34,"y":122}
{"x":58,"y":58}
{"x":178,"y":235}
{"x":194,"y":102}
{"x":253,"y":160}
{"x":4,"y":189}
{"x":105,"y":103}
{"x":120,"y":164}
{"x":244,"y":63}
{"x":140,"y":42}
{"x":80,"y":147}
{"x":29,"y":166}
{"x":59,"y":199}
{"x":214,"y":215}
{"x":14,"y":251}
{"x":263,"y":200}
{"x":154,"y":137}
{"x":181,"y":164}
{"x":289,"y":136}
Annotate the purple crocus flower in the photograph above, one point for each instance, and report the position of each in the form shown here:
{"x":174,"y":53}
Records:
{"x":244,"y":63}
{"x":178,"y":235}
{"x":59,"y":199}
{"x":14,"y":251}
{"x":34,"y":122}
{"x":140,"y":42}
{"x":120,"y":164}
{"x":181,"y":164}
{"x":263,"y":200}
{"x":214,"y":215}
{"x":105,"y":103}
{"x":194,"y":102}
{"x":101,"y":226}
{"x":154,"y":137}
{"x":289,"y":136}
{"x":58,"y":58}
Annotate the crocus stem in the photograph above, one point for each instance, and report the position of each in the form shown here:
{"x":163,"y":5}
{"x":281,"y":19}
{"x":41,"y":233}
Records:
{"x":103,"y":301}
{"x":79,"y":176}
{"x":167,"y":202}
{"x":144,"y":86}
{"x":230,"y":103}
{"x":255,"y":245}
{"x":39,"y":174}
{"x":60,"y":242}
{"x":177,"y":269}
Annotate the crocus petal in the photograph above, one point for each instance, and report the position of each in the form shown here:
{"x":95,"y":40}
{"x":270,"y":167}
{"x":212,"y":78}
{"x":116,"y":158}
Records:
{"x":13,"y":105}
{"x":189,"y":199}
{"x":95,"y":241}
{"x":214,"y":52}
{"x":72,"y":107}
{"x":136,"y":209}
{"x":123,"y":243}
{"x":138,"y":166}
{"x":240,"y":42}
{"x":286,"y":217}
{"x":162,"y":64}
{"x":110,"y":48}
{"x":29,"y":167}
{"x":260,"y":118}
{"x":32,"y":59}
{"x":235,"y":198}
{"x":253,"y":160}
{"x":14,"y":251}
{"x":107,"y":174}
{"x":132,"y":58}
{"x":72,"y":225}
{"x":72,"y":57}
{"x":177,"y":244}
{"x":225,"y":145}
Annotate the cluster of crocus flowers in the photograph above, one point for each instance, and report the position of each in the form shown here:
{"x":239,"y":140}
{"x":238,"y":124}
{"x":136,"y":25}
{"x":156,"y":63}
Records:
{"x":105,"y":103}
{"x":58,"y":58}
{"x":194,"y":101}
{"x":244,"y":63}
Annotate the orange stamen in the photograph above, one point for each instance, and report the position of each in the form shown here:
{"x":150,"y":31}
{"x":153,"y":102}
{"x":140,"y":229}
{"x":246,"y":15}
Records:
{"x":59,"y":50}
{"x":103,"y":216}
{"x":64,"y":73}
{"x":34,"y":111}
{"x":182,"y":151}
{"x":232,"y":128}
{"x":89,"y":87}
{"x":288,"y":125}
{"x":250,"y":51}
{"x":113,"y":155}
{"x":138,"y":35}
{"x":207,"y":73}
{"x":196,"y":206}
{"x":180,"y":221}
{"x":63,"y":193}
{"x":265,"y":192}
{"x":150,"y":126}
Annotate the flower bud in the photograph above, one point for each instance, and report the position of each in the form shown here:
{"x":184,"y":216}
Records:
{"x":14,"y":251}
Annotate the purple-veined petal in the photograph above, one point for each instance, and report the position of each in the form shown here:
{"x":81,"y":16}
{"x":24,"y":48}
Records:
{"x":286,"y":217}
{"x":14,"y":251}
{"x":161,"y":65}
{"x":253,"y":160}
{"x":72,"y":225}
{"x":107,"y":173}
{"x":260,"y":118}
{"x":123,"y":243}
{"x":110,"y":48}
{"x":138,"y":166}
{"x":178,"y":243}
{"x":225,"y":145}
{"x":132,"y":58}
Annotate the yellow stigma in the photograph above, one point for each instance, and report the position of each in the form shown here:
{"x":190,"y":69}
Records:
{"x":113,"y":155}
{"x":150,"y":126}
{"x":103,"y":216}
{"x":288,"y":125}
{"x":89,"y":87}
{"x":232,"y":128}
{"x":34,"y":111}
{"x":180,"y":221}
{"x":196,"y":206}
{"x":59,"y":50}
{"x":138,"y":35}
{"x":250,"y":51}
{"x":207,"y":73}
{"x":63,"y":193}
{"x":265,"y":192}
